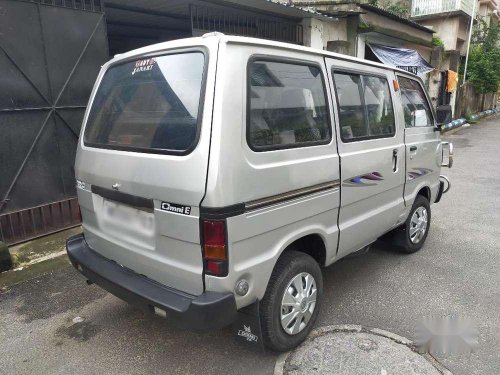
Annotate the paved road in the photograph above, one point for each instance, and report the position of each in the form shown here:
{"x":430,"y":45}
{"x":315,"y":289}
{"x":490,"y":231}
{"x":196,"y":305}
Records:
{"x":458,"y":271}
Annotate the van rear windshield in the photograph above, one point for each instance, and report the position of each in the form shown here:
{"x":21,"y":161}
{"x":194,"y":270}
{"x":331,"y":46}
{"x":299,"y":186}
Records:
{"x":149,"y":105}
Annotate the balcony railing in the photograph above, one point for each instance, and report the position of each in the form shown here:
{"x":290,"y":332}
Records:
{"x":431,"y":7}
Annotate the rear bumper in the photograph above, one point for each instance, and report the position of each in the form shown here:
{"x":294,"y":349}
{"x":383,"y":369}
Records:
{"x":210,"y":310}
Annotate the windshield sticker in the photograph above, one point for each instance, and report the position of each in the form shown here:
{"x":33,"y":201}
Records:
{"x":144,"y":65}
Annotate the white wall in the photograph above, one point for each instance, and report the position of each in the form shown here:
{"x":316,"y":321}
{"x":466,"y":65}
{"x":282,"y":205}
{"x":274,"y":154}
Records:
{"x":318,"y":33}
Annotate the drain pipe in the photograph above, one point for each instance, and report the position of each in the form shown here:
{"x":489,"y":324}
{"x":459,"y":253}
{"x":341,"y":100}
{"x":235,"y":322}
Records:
{"x":468,"y":40}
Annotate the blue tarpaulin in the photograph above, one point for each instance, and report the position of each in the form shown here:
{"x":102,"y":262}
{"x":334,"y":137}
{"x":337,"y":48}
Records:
{"x":403,"y":58}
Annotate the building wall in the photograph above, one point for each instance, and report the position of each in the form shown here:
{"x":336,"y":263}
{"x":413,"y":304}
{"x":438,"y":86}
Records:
{"x":318,"y":33}
{"x":486,"y":9}
{"x":470,"y":102}
{"x":453,"y":31}
{"x":399,"y":29}
{"x":447,"y":29}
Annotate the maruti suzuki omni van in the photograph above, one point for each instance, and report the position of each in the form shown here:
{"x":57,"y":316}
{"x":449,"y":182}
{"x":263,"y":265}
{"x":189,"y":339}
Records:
{"x":217,"y":175}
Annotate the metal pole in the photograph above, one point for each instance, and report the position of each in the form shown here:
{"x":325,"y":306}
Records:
{"x":468,"y":41}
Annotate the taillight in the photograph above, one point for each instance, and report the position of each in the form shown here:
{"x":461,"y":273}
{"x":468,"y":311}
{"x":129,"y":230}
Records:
{"x":214,"y":247}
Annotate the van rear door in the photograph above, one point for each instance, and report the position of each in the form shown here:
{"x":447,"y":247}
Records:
{"x":142,"y":163}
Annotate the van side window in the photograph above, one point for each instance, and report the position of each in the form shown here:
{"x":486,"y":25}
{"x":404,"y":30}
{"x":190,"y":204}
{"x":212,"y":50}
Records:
{"x":351,"y":112}
{"x":379,"y":106}
{"x":416,"y":108}
{"x":286,"y":106}
{"x":365,"y":107}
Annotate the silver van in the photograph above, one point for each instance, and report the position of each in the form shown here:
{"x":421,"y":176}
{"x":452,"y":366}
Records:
{"x":217,"y":175}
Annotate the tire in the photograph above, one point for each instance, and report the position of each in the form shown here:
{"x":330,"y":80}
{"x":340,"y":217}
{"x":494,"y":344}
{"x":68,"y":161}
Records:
{"x":292,"y":265}
{"x":403,"y":235}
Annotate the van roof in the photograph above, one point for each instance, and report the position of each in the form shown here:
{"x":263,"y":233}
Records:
{"x":196,"y":41}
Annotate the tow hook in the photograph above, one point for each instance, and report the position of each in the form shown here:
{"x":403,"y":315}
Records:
{"x":446,"y":182}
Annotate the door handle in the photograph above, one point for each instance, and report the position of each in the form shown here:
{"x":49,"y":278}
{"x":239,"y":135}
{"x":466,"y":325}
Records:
{"x":413,"y":148}
{"x":395,"y":160}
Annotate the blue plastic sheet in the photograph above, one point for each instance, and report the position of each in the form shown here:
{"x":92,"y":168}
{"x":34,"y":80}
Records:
{"x":403,"y":58}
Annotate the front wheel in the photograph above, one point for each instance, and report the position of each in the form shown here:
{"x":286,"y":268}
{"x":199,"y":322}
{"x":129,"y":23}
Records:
{"x":292,"y":301}
{"x":412,"y":235}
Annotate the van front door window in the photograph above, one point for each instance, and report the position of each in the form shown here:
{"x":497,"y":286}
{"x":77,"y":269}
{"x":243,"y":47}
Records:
{"x":416,"y":108}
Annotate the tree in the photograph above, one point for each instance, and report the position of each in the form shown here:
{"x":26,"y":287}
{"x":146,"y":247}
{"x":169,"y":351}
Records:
{"x":400,"y":8}
{"x":484,"y":58}
{"x":484,"y":69}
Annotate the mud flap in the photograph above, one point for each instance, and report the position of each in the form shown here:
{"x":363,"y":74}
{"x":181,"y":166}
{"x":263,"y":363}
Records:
{"x":440,"y":192}
{"x":246,"y":328}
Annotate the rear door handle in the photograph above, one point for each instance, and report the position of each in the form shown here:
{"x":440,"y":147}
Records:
{"x":413,"y":148}
{"x":395,"y":160}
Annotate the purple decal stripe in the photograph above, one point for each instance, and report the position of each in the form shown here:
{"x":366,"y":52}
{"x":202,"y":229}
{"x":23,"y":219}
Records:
{"x":375,"y":176}
{"x":368,"y":179}
{"x":418,"y":172}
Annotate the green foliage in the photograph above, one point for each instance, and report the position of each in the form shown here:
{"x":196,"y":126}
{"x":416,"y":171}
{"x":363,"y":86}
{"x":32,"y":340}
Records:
{"x":484,"y":69}
{"x":363,"y":25}
{"x":492,"y":37}
{"x":437,"y":41}
{"x":486,"y":35}
{"x":399,"y":9}
{"x":484,"y":58}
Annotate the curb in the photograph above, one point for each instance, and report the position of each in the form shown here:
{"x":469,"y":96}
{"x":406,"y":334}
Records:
{"x":458,"y":123}
{"x":5,"y":258}
{"x":279,"y":368}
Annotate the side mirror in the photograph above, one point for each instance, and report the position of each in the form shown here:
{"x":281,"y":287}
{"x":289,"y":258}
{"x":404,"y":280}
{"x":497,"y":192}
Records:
{"x":443,"y":114}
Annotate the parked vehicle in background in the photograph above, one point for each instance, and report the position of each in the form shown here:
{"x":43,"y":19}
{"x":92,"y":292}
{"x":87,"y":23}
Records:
{"x":217,"y":175}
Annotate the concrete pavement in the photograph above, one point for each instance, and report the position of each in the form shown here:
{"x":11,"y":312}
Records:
{"x":352,"y":349}
{"x":457,"y":271}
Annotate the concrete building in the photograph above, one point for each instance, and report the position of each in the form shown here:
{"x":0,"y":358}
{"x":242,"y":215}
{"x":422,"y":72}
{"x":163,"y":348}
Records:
{"x":489,"y":11}
{"x":451,"y":20}
{"x":364,"y":24}
{"x":367,"y":25}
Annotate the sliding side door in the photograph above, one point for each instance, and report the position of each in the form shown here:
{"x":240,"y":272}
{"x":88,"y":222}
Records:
{"x":372,"y":154}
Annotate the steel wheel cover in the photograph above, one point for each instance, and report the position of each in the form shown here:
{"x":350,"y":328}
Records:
{"x":418,"y":225}
{"x":298,"y":303}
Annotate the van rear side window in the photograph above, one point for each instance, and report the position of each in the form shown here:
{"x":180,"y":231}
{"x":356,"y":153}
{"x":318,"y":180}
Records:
{"x":365,"y":107}
{"x":149,"y":105}
{"x":286,"y":106}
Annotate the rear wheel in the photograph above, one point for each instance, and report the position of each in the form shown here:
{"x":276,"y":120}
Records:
{"x":292,"y":301}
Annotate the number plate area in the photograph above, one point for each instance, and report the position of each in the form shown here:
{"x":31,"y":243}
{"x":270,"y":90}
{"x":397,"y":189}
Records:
{"x":128,"y":224}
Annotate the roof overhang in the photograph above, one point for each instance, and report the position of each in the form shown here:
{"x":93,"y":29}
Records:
{"x":444,"y":15}
{"x":272,"y":8}
{"x":395,"y":17}
{"x":179,"y":10}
